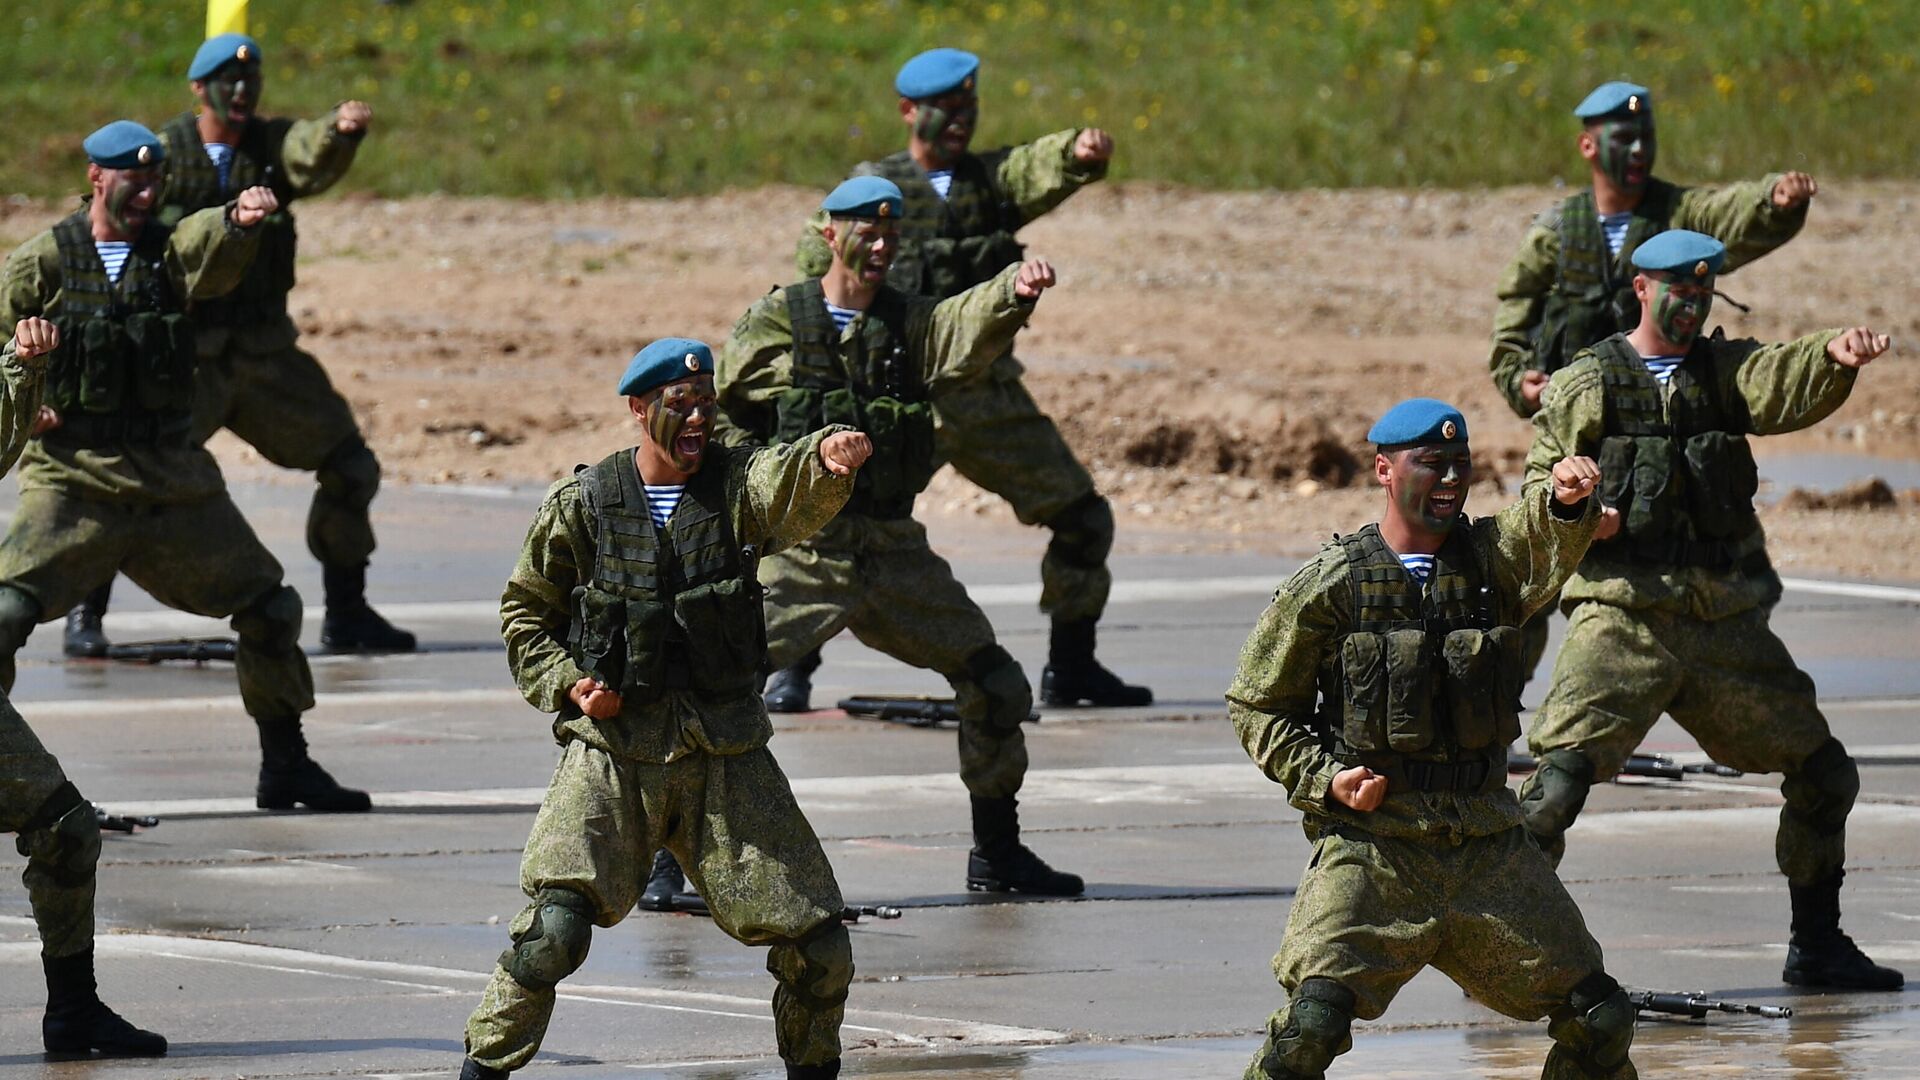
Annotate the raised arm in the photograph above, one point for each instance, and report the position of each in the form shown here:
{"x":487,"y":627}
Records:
{"x":966,"y":333}
{"x":1783,"y":387}
{"x":791,"y":493}
{"x":315,"y":154}
{"x":1751,"y":217}
{"x":1038,"y":176}
{"x":210,"y":249}
{"x":1538,"y":541}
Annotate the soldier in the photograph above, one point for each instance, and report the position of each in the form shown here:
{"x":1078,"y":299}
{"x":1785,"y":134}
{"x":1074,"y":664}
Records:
{"x":1378,"y":688}
{"x":253,"y":378}
{"x":59,"y":832}
{"x":635,"y":616}
{"x":1669,"y":611}
{"x":114,"y":483}
{"x":848,"y":347}
{"x":962,"y":210}
{"x":1571,"y":283}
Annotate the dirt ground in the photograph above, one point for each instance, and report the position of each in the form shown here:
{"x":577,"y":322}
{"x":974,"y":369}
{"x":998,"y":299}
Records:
{"x":1215,"y":358}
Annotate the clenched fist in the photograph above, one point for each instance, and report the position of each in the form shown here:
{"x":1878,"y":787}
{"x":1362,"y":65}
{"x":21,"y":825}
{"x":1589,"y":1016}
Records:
{"x":1857,"y":347}
{"x":594,"y":699}
{"x":352,"y":117}
{"x":844,"y":451}
{"x":1532,"y":385}
{"x":1574,"y":478}
{"x":1092,"y":145}
{"x":253,"y":206}
{"x":34,"y":336}
{"x":1793,"y":190}
{"x":1035,"y":277}
{"x":1360,"y":788}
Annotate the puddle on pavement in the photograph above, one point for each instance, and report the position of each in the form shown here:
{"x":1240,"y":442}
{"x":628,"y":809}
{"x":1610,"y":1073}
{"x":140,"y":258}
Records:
{"x":1830,"y":472}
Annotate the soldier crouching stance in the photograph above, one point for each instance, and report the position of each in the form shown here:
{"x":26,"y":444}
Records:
{"x":1379,"y":688}
{"x":634,"y":614}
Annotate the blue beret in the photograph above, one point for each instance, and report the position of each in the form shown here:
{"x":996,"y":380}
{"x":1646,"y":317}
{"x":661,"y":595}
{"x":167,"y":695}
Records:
{"x":124,"y":144}
{"x":219,"y":51}
{"x":864,"y":197}
{"x":664,"y":361}
{"x":1679,"y":251}
{"x":1608,"y":99}
{"x":936,"y":72}
{"x":1419,"y":420}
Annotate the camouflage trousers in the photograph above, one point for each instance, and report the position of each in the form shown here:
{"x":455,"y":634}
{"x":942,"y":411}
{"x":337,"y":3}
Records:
{"x":201,"y":557}
{"x":992,"y":432}
{"x":60,"y":862}
{"x":1729,"y":682}
{"x":731,"y":821}
{"x":881,"y":580}
{"x":283,"y":404}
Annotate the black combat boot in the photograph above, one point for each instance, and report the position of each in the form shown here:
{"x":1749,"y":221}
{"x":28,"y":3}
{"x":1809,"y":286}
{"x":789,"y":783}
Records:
{"x":790,"y":689}
{"x":288,"y":776}
{"x":77,"y":1023}
{"x":664,"y":883}
{"x":1819,"y":953}
{"x":828,"y":1071}
{"x":999,"y":862}
{"x":473,"y":1070}
{"x":84,"y":636}
{"x":351,"y":625}
{"x":1072,"y":675}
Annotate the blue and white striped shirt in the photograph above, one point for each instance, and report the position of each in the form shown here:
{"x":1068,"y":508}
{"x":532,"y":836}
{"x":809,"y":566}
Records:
{"x":222,"y":157}
{"x":1662,"y":366}
{"x":1419,"y":567}
{"x":842,"y":316}
{"x":661,"y":501}
{"x":942,"y":181}
{"x":113,"y":253}
{"x":1615,"y":226}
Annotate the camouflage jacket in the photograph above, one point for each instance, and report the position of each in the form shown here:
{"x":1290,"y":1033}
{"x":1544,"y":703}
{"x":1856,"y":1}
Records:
{"x":777,"y":497}
{"x":21,"y":381}
{"x":205,"y":258}
{"x":1274,"y":699}
{"x":1781,"y":387}
{"x":1742,"y":216}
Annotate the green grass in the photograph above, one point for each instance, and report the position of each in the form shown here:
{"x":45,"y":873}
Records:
{"x":674,"y":97}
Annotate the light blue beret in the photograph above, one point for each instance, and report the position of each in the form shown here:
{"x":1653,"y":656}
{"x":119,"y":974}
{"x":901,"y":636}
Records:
{"x":936,"y":72}
{"x":1417,"y":421}
{"x":864,"y":197}
{"x":1679,"y":251}
{"x":1608,"y":99}
{"x":124,"y":144}
{"x":217,"y":52}
{"x":664,"y":361}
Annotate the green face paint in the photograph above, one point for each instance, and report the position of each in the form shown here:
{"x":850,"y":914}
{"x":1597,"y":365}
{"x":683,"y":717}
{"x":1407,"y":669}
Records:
{"x":1680,"y":310}
{"x":1626,"y":149}
{"x":854,"y":242}
{"x":946,"y":123}
{"x":1430,"y":484}
{"x":671,"y":421}
{"x":122,"y":188}
{"x":234,"y":92}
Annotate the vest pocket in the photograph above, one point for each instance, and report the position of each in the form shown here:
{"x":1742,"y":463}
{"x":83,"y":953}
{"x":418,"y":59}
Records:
{"x":1482,"y":669}
{"x":163,"y":370}
{"x":649,"y":623}
{"x":885,"y":471}
{"x":796,"y":414}
{"x":1650,"y":514}
{"x":1722,"y":479}
{"x":1409,"y":691}
{"x":596,"y":636}
{"x":1364,"y":701}
{"x":723,"y":631}
{"x":103,"y":366}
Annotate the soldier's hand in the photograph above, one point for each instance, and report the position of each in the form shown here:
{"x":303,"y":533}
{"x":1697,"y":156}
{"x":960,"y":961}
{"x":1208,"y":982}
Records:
{"x":253,"y":206}
{"x":844,"y":451}
{"x":1035,"y":277}
{"x":43,"y":421}
{"x":1532,"y":385}
{"x":594,"y":699}
{"x":1092,"y":145}
{"x":1609,"y":526}
{"x":352,"y":117}
{"x":1574,"y":478}
{"x":1857,"y":347}
{"x":1793,"y":190}
{"x":1360,"y":788}
{"x":34,"y":336}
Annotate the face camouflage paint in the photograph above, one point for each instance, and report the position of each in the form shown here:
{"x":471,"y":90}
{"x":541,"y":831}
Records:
{"x":234,"y":84}
{"x":1626,"y":149}
{"x":672,"y":412}
{"x":933,"y":119}
{"x":854,"y":241}
{"x":1431,"y":487}
{"x":1680,"y":309}
{"x":122,"y":187}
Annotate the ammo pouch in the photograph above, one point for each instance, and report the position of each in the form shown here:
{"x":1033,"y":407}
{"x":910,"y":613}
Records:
{"x":620,"y":641}
{"x":902,"y":434}
{"x":1637,"y":480}
{"x":162,"y":358}
{"x":725,"y":618}
{"x":1482,"y":671}
{"x":1388,"y":698}
{"x":89,"y":372}
{"x":1722,"y":480}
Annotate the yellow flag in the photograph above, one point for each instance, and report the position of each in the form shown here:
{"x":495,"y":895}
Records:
{"x":226,"y":17}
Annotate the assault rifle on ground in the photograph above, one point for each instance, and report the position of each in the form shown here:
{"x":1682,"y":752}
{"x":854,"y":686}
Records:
{"x":195,"y":649}
{"x":1696,"y":1004}
{"x":1656,"y":766}
{"x":123,"y":823}
{"x":920,"y":712}
{"x":691,"y":903}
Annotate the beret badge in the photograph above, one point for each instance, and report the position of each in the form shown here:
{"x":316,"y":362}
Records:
{"x":145,"y":155}
{"x":693,"y":362}
{"x":1449,"y":429}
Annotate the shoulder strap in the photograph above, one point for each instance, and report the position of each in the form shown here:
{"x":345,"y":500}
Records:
{"x":1383,"y":592}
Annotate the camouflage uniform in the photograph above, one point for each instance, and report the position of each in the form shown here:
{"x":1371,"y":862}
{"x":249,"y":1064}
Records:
{"x":1674,"y":619}
{"x":1441,"y":873}
{"x":685,"y":763}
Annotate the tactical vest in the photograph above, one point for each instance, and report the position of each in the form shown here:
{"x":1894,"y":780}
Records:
{"x":124,"y":370}
{"x":193,"y":183}
{"x":1674,"y":460}
{"x":948,"y":246}
{"x":1424,"y":688}
{"x":660,"y":612}
{"x":1592,"y":295}
{"x":869,"y":382}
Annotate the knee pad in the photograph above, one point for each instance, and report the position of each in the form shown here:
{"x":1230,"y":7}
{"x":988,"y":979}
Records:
{"x":63,"y":837}
{"x":818,"y":966}
{"x":1554,"y":795}
{"x":1082,"y":533}
{"x":1318,"y":1028}
{"x":350,"y":474}
{"x":998,"y":675}
{"x":1821,"y":791}
{"x":554,"y":944}
{"x":19,"y":614}
{"x":1596,"y":1024}
{"x":272,"y":621}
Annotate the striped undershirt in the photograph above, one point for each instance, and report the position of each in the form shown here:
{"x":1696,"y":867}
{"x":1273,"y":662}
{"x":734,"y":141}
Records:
{"x":661,"y":500}
{"x":113,"y":253}
{"x":222,"y":157}
{"x":1615,"y":226}
{"x":942,"y":181}
{"x":1662,"y":366}
{"x":842,"y":316}
{"x":1419,"y":567}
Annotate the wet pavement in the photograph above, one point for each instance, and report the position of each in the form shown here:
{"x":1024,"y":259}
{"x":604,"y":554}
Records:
{"x":291,"y":945}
